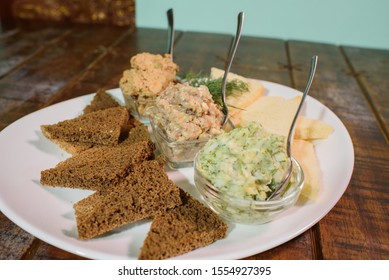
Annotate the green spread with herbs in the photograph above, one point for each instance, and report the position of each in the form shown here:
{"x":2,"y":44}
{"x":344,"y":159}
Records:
{"x":246,"y":162}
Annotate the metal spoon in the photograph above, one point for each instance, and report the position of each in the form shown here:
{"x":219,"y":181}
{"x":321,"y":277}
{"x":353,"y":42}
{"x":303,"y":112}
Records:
{"x":280,"y":188}
{"x":228,"y":67}
{"x":170,"y":41}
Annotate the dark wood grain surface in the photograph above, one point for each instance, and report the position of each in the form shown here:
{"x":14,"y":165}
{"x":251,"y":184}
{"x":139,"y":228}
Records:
{"x":43,"y":65}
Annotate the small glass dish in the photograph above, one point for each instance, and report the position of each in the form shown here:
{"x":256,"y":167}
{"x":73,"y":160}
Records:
{"x":178,"y":154}
{"x":243,"y":211}
{"x":139,"y":108}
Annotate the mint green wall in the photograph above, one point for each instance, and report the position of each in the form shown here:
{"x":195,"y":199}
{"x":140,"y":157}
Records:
{"x":360,"y":23}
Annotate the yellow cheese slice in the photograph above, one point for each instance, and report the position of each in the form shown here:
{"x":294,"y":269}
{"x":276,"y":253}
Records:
{"x":238,"y":100}
{"x":304,"y":152}
{"x":275,"y":113}
{"x":311,"y":129}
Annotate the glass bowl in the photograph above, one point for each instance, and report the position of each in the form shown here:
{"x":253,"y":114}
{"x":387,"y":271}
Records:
{"x":139,"y":108}
{"x":243,"y":211}
{"x":177,"y":154}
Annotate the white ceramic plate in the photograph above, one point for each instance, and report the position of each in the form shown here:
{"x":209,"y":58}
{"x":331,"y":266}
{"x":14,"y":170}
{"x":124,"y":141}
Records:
{"x":47,"y":213}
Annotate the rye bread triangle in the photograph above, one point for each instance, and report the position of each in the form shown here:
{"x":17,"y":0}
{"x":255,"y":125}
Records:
{"x":101,"y":127}
{"x":131,"y":133}
{"x":179,"y":230}
{"x":98,"y":168}
{"x":101,"y":100}
{"x":146,"y":192}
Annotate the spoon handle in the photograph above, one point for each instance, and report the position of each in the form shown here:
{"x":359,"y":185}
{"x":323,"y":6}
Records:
{"x":305,"y":93}
{"x":229,"y":63}
{"x":170,"y":19}
{"x":281,"y":187}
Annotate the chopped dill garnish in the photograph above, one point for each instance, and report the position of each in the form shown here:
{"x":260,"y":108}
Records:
{"x":215,"y":85}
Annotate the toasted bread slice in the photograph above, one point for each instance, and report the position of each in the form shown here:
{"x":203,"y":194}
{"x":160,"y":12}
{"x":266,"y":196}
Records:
{"x":101,"y":100}
{"x":132,"y":132}
{"x":136,"y":134}
{"x":186,"y":227}
{"x":146,"y":192}
{"x":102,"y":127}
{"x":98,"y":168}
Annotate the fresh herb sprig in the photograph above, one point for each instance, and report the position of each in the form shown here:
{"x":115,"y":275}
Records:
{"x":215,"y":85}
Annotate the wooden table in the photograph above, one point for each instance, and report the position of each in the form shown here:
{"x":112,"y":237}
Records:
{"x":43,"y":65}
